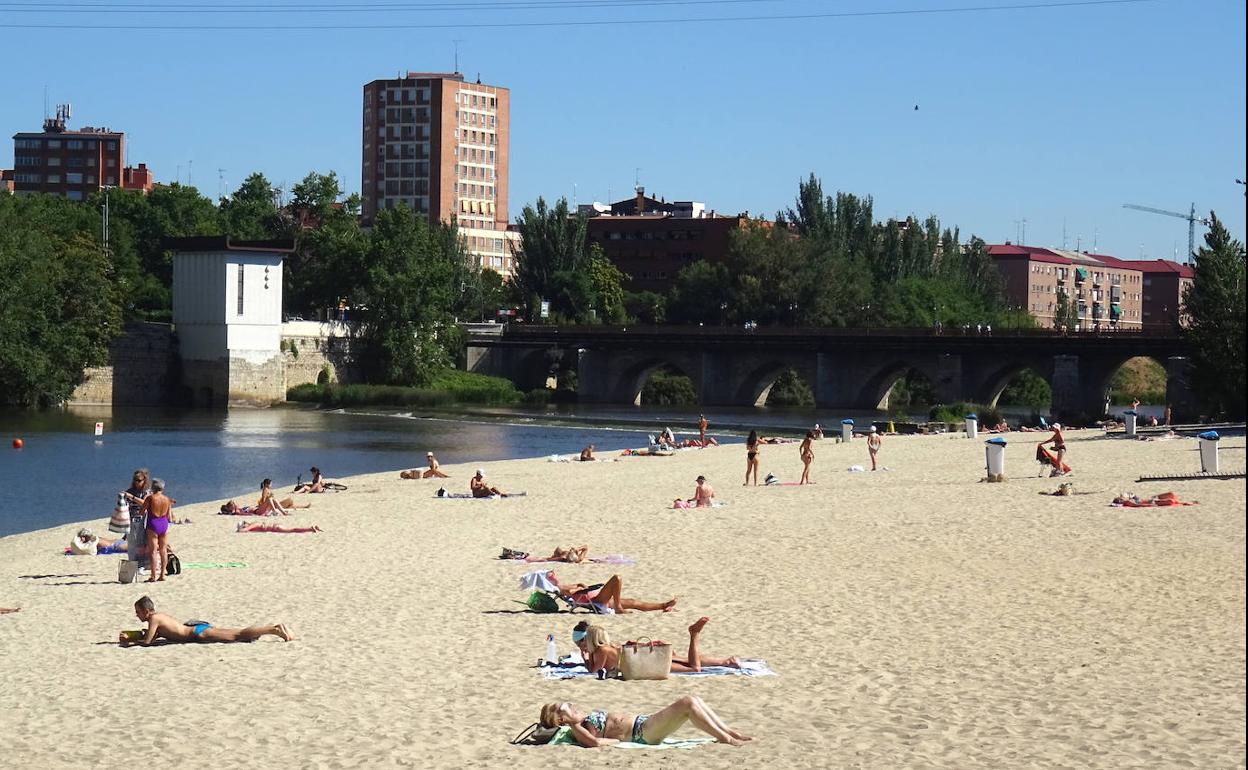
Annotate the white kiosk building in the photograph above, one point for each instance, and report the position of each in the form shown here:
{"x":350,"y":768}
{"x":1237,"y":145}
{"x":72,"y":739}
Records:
{"x":227,"y":314}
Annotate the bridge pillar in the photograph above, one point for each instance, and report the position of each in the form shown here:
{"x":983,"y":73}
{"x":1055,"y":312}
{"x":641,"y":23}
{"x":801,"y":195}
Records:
{"x":1179,"y":394}
{"x":1065,"y":385}
{"x":834,"y":385}
{"x":716,"y":382}
{"x":593,"y":377}
{"x":948,"y":380}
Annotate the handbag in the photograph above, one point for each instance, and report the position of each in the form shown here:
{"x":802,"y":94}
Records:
{"x":173,"y":565}
{"x":645,"y":660}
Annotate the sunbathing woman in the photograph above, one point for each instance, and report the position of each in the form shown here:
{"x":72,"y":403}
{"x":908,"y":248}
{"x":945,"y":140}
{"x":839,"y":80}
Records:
{"x":317,"y":484}
{"x":569,"y":554}
{"x":608,"y":595}
{"x":269,"y":505}
{"x":602,"y":728}
{"x":600,"y":653}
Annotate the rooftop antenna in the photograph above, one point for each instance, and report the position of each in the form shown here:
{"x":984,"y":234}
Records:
{"x":190,"y":173}
{"x":220,"y":183}
{"x":1096,"y":234}
{"x":637,"y":177}
{"x":457,"y":42}
{"x":45,"y":102}
{"x":1063,"y":233}
{"x":574,"y":195}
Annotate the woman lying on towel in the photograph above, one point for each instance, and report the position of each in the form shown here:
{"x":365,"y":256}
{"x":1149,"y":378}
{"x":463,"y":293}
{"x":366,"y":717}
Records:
{"x":87,"y":543}
{"x":1164,"y":500}
{"x":607,"y":595}
{"x":600,"y":653}
{"x":569,"y":554}
{"x":244,"y":526}
{"x":602,"y":728}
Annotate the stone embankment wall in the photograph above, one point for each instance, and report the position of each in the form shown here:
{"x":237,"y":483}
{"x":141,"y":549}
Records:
{"x":142,"y":370}
{"x":309,"y":347}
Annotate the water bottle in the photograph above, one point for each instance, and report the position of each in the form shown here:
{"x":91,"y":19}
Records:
{"x":552,"y":652}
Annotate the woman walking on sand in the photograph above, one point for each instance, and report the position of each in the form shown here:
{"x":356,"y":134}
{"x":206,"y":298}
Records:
{"x":873,"y":444}
{"x":807,"y":453}
{"x":751,"y":458}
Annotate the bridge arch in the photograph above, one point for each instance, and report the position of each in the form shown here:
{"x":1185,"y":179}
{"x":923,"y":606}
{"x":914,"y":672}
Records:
{"x":633,"y":378}
{"x":1000,"y":377}
{"x":878,"y":387}
{"x":756,"y":384}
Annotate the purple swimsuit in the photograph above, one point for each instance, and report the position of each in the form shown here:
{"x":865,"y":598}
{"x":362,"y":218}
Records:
{"x":158,"y":524}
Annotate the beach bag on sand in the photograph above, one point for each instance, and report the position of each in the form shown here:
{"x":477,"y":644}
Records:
{"x":645,"y":660}
{"x":542,"y":602}
{"x":173,"y":565}
{"x":535,"y":735}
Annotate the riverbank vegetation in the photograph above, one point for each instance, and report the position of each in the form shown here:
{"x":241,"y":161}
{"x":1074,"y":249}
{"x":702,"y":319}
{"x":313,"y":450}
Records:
{"x":1215,"y":304}
{"x":447,"y":387}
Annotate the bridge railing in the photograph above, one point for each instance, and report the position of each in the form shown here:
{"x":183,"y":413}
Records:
{"x":520,"y":330}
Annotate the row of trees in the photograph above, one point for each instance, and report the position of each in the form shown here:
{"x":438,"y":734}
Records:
{"x":66,"y":293}
{"x":825,"y":262}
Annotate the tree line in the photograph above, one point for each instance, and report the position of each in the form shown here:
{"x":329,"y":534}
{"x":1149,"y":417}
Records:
{"x":65,"y":293}
{"x":824,"y":262}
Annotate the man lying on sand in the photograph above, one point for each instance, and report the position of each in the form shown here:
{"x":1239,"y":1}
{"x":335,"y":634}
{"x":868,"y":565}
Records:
{"x":162,"y":626}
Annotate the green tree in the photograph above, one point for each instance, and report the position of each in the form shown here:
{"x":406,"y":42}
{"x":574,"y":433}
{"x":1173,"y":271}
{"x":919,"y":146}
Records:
{"x":1065,"y":314}
{"x":59,"y":305}
{"x":328,"y":261}
{"x":409,"y":290}
{"x":251,"y":213}
{"x":607,"y":287}
{"x":1214,"y":305}
{"x":701,"y":293}
{"x":552,"y":242}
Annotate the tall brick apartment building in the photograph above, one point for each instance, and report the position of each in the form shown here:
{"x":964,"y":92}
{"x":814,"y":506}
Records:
{"x":73,"y":164}
{"x":439,"y":145}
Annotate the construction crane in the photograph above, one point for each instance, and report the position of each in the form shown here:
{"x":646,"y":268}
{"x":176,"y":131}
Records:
{"x":1191,"y":218}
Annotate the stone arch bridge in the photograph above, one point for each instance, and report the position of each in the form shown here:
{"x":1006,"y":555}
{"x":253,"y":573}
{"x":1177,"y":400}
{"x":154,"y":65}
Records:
{"x":848,"y":368}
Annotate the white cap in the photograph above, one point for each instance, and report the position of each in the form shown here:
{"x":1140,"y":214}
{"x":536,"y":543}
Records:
{"x":480,"y":471}
{"x":873,"y":429}
{"x":428,"y":454}
{"x":1057,"y":426}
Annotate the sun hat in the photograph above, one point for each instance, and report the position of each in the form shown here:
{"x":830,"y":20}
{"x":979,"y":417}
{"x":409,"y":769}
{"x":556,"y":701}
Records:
{"x":700,"y":478}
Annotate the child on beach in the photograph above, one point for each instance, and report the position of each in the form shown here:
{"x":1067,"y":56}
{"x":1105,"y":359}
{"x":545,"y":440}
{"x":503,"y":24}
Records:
{"x":873,"y":444}
{"x":599,"y":728}
{"x":162,"y":626}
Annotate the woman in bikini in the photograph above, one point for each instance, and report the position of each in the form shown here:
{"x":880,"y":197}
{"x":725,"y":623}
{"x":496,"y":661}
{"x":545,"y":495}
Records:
{"x":602,"y":728}
{"x":608,"y":595}
{"x":600,"y":653}
{"x":156,"y":506}
{"x":1059,"y":447}
{"x":317,"y":484}
{"x":807,"y":453}
{"x":269,"y":505}
{"x":751,"y":458}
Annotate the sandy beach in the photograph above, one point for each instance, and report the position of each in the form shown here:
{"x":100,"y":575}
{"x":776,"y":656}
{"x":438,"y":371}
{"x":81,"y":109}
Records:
{"x":917,"y":618}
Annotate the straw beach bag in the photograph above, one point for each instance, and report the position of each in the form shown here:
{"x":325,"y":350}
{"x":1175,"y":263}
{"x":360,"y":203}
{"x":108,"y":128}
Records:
{"x":645,"y":660}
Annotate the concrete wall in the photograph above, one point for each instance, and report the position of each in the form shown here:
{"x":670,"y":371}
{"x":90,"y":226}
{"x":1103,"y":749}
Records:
{"x":309,"y":346}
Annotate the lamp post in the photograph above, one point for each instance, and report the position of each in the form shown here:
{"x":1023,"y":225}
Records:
{"x":723,"y":314}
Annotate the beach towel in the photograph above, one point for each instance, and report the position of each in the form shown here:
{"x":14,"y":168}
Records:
{"x":111,"y":550}
{"x":468,"y":496}
{"x":748,"y":668}
{"x":257,"y":527}
{"x":1045,"y":457}
{"x":614,"y":558}
{"x":565,"y":738}
{"x":1164,"y":500}
{"x":212,"y":564}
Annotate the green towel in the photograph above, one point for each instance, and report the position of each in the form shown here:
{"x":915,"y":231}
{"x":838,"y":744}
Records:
{"x":212,"y":564}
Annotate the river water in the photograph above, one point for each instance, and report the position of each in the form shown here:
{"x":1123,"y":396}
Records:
{"x":64,"y":473}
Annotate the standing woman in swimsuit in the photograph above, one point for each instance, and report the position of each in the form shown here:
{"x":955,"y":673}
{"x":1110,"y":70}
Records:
{"x":807,"y":453}
{"x":157,"y":508}
{"x":602,"y":728}
{"x":751,"y":458}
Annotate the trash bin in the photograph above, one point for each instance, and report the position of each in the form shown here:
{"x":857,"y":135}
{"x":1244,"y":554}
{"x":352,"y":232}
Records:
{"x":1129,"y":417}
{"x":972,"y":426}
{"x":1209,"y":452}
{"x":994,"y":453}
{"x":847,"y":430}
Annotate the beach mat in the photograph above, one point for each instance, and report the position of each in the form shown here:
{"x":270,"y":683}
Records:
{"x":212,"y":564}
{"x":748,"y":668}
{"x":469,"y":496}
{"x":565,"y":738}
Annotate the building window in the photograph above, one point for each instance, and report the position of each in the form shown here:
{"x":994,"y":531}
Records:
{"x":54,"y":178}
{"x":240,"y":290}
{"x":54,"y":161}
{"x":54,"y":144}
{"x":112,"y":180}
{"x":73,"y":178}
{"x":112,"y":145}
{"x":74,"y":195}
{"x":36,"y":178}
{"x":74,"y":144}
{"x":112,"y":163}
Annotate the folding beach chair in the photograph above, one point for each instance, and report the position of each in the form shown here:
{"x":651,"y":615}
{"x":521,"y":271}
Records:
{"x":537,"y":581}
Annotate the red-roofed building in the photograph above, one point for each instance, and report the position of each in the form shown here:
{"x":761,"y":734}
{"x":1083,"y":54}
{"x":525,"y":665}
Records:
{"x":1106,"y":291}
{"x":1165,"y":283}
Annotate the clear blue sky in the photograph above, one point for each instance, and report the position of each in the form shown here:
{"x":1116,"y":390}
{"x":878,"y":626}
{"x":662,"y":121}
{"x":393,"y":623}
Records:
{"x":1056,"y":115}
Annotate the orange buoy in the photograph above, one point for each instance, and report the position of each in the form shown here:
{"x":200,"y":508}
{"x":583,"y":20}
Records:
{"x":17,"y":443}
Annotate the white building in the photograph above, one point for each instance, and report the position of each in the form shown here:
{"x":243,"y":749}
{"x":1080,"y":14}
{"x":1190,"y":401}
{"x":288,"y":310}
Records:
{"x":227,"y":314}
